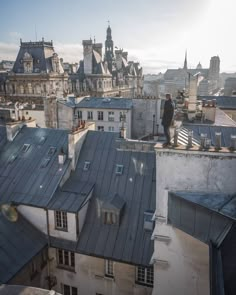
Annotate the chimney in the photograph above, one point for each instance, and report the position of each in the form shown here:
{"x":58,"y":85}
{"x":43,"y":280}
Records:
{"x":176,"y":135}
{"x":61,"y":157}
{"x":190,"y":138}
{"x":217,"y":141}
{"x":13,"y":128}
{"x":232,"y":142}
{"x":123,"y":132}
{"x":203,"y":138}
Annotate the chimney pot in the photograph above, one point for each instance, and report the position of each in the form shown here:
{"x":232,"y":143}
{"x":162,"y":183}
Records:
{"x":217,"y":140}
{"x":190,"y":138}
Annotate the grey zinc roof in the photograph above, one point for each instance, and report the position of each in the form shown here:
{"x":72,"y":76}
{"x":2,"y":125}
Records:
{"x":105,"y":103}
{"x":41,"y":53}
{"x":3,"y":136}
{"x":31,"y":177}
{"x":128,"y":242}
{"x":71,"y":197}
{"x":19,"y":243}
{"x":198,"y":129}
{"x":200,"y":215}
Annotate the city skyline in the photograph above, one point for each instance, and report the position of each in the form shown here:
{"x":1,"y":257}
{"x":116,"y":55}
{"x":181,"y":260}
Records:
{"x":155,"y":33}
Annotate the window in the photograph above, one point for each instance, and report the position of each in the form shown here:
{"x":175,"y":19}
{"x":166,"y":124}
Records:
{"x":111,"y":116}
{"x":61,"y":220}
{"x":25,"y":148}
{"x":109,"y":218}
{"x":100,"y":116}
{"x":90,"y":115}
{"x":119,"y":169}
{"x":109,"y":268}
{"x":66,"y":259}
{"x":80,"y":115}
{"x":86,"y":165}
{"x":111,"y":128}
{"x":51,"y":151}
{"x":27,"y":113}
{"x":100,"y":128}
{"x":144,"y":275}
{"x":68,"y":290}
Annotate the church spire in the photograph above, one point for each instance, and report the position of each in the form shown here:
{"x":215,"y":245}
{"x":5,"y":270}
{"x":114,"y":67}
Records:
{"x":109,"y":48}
{"x":185,"y":61}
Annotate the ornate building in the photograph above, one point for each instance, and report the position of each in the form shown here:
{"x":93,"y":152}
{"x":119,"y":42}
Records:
{"x":37,"y":72}
{"x":111,"y":75}
{"x":209,"y":79}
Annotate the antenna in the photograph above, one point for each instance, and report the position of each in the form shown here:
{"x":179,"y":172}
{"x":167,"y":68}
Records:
{"x":35,"y":32}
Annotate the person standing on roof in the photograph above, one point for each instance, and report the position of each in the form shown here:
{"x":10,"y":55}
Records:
{"x":167,"y":118}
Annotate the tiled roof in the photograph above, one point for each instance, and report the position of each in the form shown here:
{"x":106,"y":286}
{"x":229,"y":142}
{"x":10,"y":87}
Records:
{"x":105,"y":103}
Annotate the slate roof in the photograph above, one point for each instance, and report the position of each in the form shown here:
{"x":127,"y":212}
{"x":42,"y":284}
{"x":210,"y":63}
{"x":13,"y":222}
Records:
{"x":24,"y":290}
{"x":128,"y":242}
{"x":31,"y":177}
{"x":71,"y":197}
{"x":223,"y":102}
{"x":226,"y":132}
{"x":41,"y":53}
{"x":105,"y":103}
{"x":19,"y":243}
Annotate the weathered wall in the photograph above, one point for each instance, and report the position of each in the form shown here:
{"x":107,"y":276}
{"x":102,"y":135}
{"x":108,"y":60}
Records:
{"x":142,"y":117}
{"x":89,"y":277}
{"x":182,"y":263}
{"x":26,"y":278}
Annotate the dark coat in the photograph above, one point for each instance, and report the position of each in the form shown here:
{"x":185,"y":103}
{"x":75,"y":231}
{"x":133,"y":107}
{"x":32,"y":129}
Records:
{"x":168,"y":113}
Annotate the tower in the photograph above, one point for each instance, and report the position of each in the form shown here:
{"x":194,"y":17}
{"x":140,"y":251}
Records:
{"x":185,"y":61}
{"x":109,"y":55}
{"x":214,"y":69}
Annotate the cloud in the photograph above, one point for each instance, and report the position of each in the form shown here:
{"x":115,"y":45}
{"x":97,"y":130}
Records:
{"x":8,"y":51}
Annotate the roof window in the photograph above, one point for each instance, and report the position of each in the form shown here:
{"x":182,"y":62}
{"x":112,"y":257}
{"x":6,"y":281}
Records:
{"x":148,"y":222}
{"x":86,"y":165}
{"x":25,"y":148}
{"x":119,"y":169}
{"x":51,"y":151}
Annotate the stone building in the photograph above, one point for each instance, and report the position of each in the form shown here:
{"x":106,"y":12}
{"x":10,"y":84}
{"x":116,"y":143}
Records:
{"x":111,"y":75}
{"x":209,"y":79}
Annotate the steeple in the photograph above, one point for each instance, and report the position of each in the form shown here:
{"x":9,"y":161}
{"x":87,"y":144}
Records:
{"x":185,"y":61}
{"x":109,"y":48}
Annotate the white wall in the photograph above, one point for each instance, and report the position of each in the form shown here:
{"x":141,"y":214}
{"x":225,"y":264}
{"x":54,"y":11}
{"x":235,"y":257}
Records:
{"x":182,"y":265}
{"x":70,"y":234}
{"x":36,"y":216}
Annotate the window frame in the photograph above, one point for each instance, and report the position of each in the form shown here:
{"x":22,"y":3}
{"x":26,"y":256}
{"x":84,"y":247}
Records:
{"x":100,"y":115}
{"x":89,"y":115}
{"x":111,"y":116}
{"x":71,"y":290}
{"x":61,"y":221}
{"x":109,"y":268}
{"x":65,"y":259}
{"x":147,"y":274}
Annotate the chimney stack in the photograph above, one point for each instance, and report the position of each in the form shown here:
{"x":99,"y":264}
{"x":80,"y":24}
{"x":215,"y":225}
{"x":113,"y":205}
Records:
{"x":233,"y":142}
{"x":217,"y":141}
{"x":190,"y":138}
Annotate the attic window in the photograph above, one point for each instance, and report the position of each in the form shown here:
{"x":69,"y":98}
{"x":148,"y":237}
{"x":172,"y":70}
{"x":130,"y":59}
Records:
{"x":148,"y":222}
{"x":51,"y":151}
{"x":25,"y":148}
{"x":119,"y":169}
{"x":110,"y":218}
{"x":86,"y":165}
{"x":45,"y":162}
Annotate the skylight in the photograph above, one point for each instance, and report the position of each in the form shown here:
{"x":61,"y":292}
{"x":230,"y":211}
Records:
{"x":51,"y":151}
{"x":86,"y":165}
{"x":119,"y":169}
{"x":25,"y":148}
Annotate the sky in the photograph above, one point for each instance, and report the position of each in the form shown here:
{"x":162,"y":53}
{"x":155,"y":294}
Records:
{"x":156,"y":33}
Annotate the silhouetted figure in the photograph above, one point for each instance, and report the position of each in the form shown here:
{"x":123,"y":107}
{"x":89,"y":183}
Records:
{"x":167,"y":118}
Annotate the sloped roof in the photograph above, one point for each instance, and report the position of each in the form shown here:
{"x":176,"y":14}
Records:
{"x":41,"y":53}
{"x":3,"y":136}
{"x":128,"y":242}
{"x":71,"y":196}
{"x":105,"y":103}
{"x":31,"y":177}
{"x":20,"y":241}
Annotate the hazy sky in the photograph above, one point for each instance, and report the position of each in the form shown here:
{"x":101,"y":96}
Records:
{"x":154,"y":32}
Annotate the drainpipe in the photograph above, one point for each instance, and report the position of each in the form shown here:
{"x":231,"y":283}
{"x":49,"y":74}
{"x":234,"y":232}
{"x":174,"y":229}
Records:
{"x":48,"y":260}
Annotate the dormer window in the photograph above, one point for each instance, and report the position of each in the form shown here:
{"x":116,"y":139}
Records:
{"x":86,"y":165}
{"x":112,"y":210}
{"x":51,"y":151}
{"x":119,"y":169}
